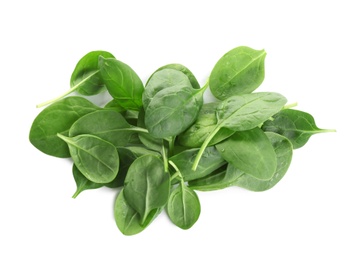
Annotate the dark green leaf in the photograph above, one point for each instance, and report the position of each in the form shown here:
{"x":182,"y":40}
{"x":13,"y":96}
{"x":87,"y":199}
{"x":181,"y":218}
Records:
{"x":95,"y":158}
{"x":58,"y":118}
{"x":239,"y":71}
{"x":128,"y":220}
{"x":283,"y":150}
{"x":122,"y":83}
{"x":250,"y":151}
{"x":82,"y":183}
{"x":183,"y":207}
{"x":297,"y":126}
{"x":88,"y":67}
{"x":147,"y":185}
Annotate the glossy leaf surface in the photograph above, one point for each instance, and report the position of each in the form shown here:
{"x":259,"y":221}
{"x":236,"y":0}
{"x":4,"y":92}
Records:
{"x":95,"y":158}
{"x":239,"y":71}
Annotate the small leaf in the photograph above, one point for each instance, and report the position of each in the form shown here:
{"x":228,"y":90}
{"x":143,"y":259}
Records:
{"x":95,"y":158}
{"x":183,"y":207}
{"x":239,"y":71}
{"x":297,"y":126}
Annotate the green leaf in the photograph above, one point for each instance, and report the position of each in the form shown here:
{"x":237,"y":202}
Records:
{"x":147,"y":185}
{"x":95,"y":158}
{"x":244,"y":112}
{"x":297,"y":126}
{"x":183,"y":207}
{"x":88,"y":66}
{"x":172,"y":111}
{"x":114,"y":104}
{"x":183,"y":69}
{"x":128,"y":220}
{"x":58,"y":118}
{"x":82,"y":183}
{"x":239,"y":71}
{"x":250,"y":151}
{"x":283,"y":150}
{"x":109,"y":125}
{"x":221,"y":179}
{"x":122,"y":83}
{"x":163,"y":79}
{"x":210,"y":161}
{"x":205,"y":123}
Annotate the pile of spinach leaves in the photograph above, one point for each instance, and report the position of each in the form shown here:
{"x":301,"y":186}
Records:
{"x":160,"y":142}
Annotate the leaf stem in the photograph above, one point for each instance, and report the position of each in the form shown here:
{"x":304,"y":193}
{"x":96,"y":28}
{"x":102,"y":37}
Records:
{"x":204,"y":146}
{"x":287,"y":106}
{"x":77,"y":192}
{"x":165,"y":158}
{"x":68,"y":91}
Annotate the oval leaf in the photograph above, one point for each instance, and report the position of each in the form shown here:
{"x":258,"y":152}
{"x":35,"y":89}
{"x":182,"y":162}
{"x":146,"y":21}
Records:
{"x":58,"y":118}
{"x":95,"y":158}
{"x":250,"y":151}
{"x":239,"y":71}
{"x":147,"y":185}
{"x":88,"y":68}
{"x":183,"y":207}
{"x":297,"y":126}
{"x":122,"y":83}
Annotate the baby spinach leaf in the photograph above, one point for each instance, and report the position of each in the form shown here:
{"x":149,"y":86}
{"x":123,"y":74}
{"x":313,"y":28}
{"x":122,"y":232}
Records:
{"x":297,"y":126}
{"x":239,"y":71}
{"x":244,"y":112}
{"x":147,"y":185}
{"x":183,"y":207}
{"x":122,"y":83}
{"x":128,"y":220}
{"x":221,"y":179}
{"x":163,"y":79}
{"x":95,"y":158}
{"x":211,"y":160}
{"x":250,"y":151}
{"x":205,"y":123}
{"x":173,"y":110}
{"x":87,"y":67}
{"x":283,"y":150}
{"x":58,"y":118}
{"x":112,"y":127}
{"x":183,"y":69}
{"x":82,"y":183}
{"x":147,"y":139}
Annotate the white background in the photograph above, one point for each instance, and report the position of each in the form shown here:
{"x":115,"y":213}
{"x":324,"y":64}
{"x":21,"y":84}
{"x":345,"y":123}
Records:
{"x":310,"y":59}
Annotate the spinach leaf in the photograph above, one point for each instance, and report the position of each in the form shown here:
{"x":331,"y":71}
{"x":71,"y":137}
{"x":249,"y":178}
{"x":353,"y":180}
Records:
{"x":250,"y":151}
{"x":114,"y":104}
{"x":244,"y":112}
{"x":95,"y":158}
{"x":183,"y":69}
{"x":128,"y":220}
{"x":88,"y":67}
{"x":147,"y":185}
{"x":82,"y":183}
{"x":183,"y":206}
{"x":173,"y":110}
{"x":85,"y":79}
{"x":221,"y":179}
{"x":297,"y":126}
{"x":205,"y":123}
{"x":58,"y":118}
{"x":122,"y":83}
{"x":163,"y":79}
{"x":211,"y":160}
{"x":239,"y":71}
{"x":112,"y":128}
{"x":283,"y":150}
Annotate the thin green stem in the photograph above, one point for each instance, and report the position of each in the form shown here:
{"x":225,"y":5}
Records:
{"x":287,"y":106}
{"x":74,"y":88}
{"x":171,"y":145}
{"x":165,"y":158}
{"x":77,"y":192}
{"x":204,"y":146}
{"x":177,"y":173}
{"x":138,"y":129}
